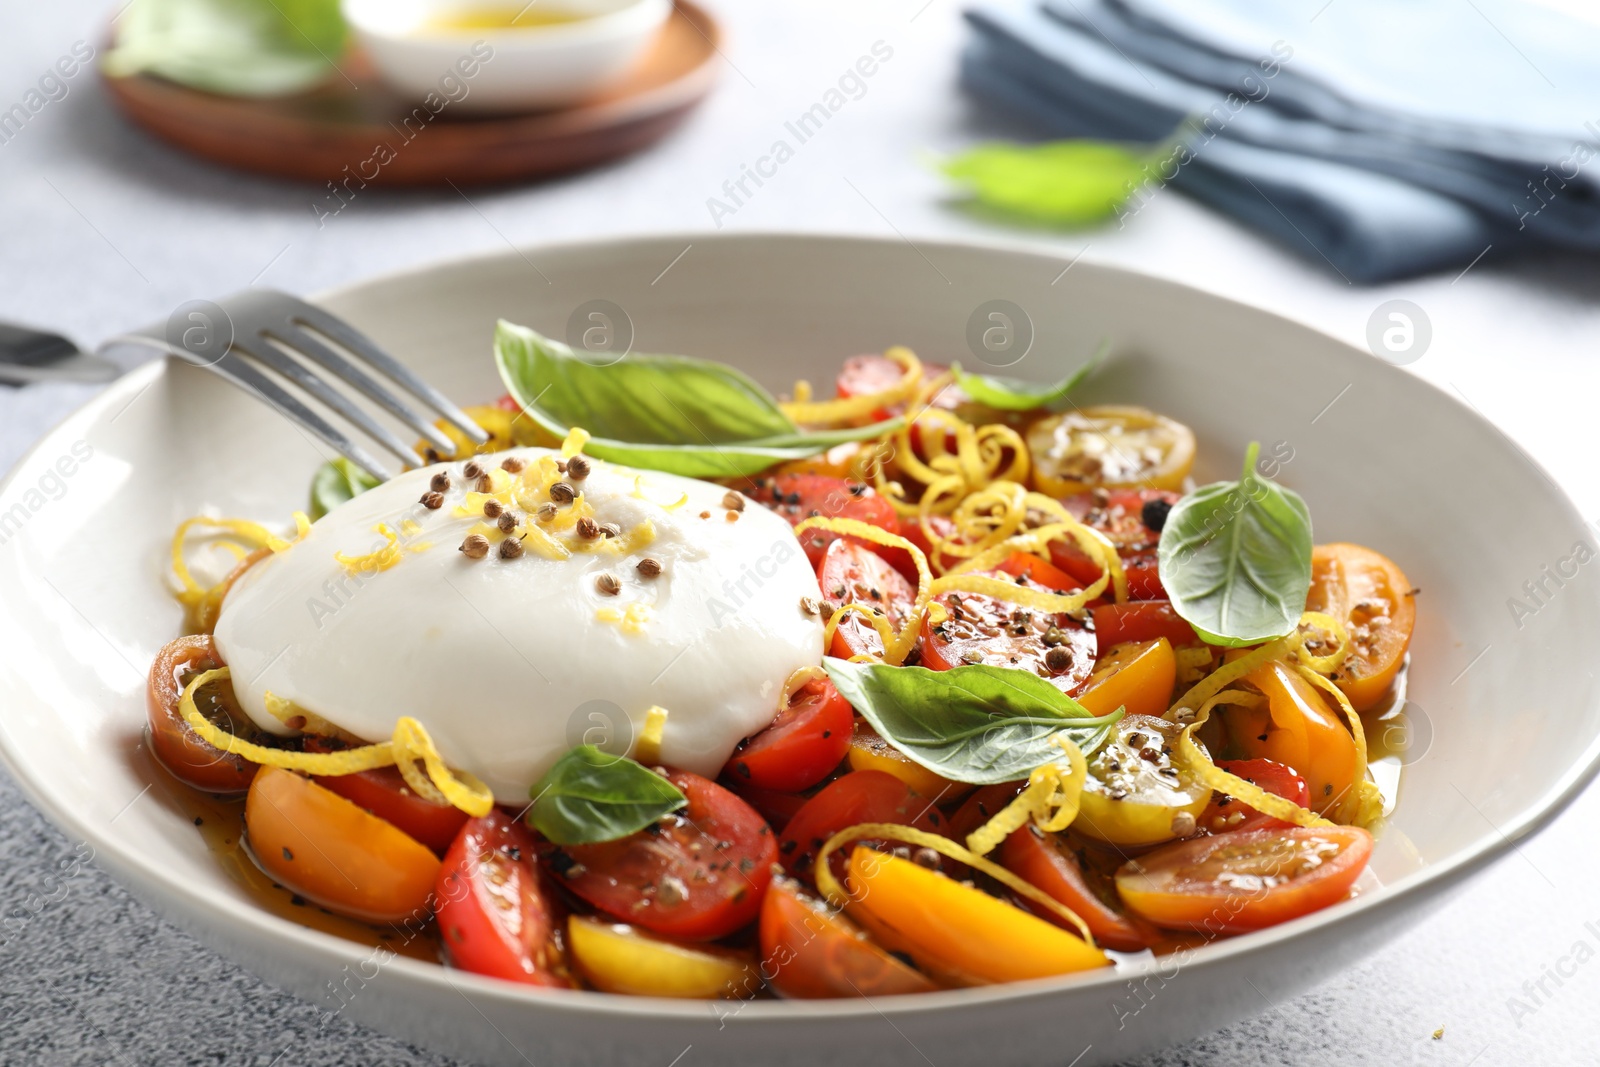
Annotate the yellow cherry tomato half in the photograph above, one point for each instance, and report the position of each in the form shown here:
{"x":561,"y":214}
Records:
{"x":1109,"y":447}
{"x":339,"y":855}
{"x":1137,"y":677}
{"x":1373,"y":598}
{"x":1135,"y":794}
{"x":617,"y":958}
{"x":955,"y":932}
{"x":1300,"y":729}
{"x":870,"y":752}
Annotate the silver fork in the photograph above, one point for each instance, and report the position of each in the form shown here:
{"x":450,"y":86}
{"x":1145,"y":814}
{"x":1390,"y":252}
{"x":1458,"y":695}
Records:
{"x":263,"y":333}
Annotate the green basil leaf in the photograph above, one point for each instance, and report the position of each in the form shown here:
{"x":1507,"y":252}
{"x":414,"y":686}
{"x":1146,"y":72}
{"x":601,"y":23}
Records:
{"x":591,"y":796}
{"x":234,"y":47}
{"x":1013,"y":394}
{"x":977,"y":723}
{"x":667,"y":413}
{"x":1063,"y":183}
{"x":336,"y":482}
{"x":1235,"y":558}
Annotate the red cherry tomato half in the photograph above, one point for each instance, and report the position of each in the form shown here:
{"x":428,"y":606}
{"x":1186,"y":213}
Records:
{"x":384,"y":793}
{"x":497,"y":915}
{"x":857,"y":797}
{"x":1041,"y":572}
{"x":697,"y":874}
{"x":798,"y":497}
{"x":1234,"y":883}
{"x":810,"y":950}
{"x":773,"y":805}
{"x":1140,"y":620}
{"x":868,"y":374}
{"x":1049,"y":862}
{"x":176,"y":745}
{"x":1121,"y":517}
{"x":1227,"y":814}
{"x":853,"y":573}
{"x":982,"y":806}
{"x":802,"y":746}
{"x":984,"y":629}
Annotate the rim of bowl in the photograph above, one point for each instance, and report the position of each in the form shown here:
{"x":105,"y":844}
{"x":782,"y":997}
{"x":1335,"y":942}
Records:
{"x":1504,"y":839}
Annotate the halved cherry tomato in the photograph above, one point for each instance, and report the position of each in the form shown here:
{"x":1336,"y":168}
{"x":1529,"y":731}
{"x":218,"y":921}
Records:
{"x":810,"y":950}
{"x":798,"y":497}
{"x":773,"y":805}
{"x":980,"y":807}
{"x":1049,"y":862}
{"x":1137,"y":678}
{"x":1140,"y":620}
{"x":852,"y":572}
{"x":802,"y":746}
{"x":330,"y":851}
{"x":1125,"y":516}
{"x":911,"y":530}
{"x":983,"y":629}
{"x":857,"y":797}
{"x":1298,"y":728}
{"x":1375,"y":601}
{"x":175,"y":744}
{"x":497,"y":913}
{"x":616,"y":958}
{"x":1233,"y":883}
{"x":1227,"y":814}
{"x":840,"y":461}
{"x":869,"y":752}
{"x":697,"y":874}
{"x":873,"y":373}
{"x":1041,"y":572}
{"x":1135,"y":794}
{"x":958,"y":933}
{"x":385,"y":793}
{"x":1109,"y":447}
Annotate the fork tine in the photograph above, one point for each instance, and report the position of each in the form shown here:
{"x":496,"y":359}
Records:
{"x":313,"y":349}
{"x":357,"y":344}
{"x":263,"y":351}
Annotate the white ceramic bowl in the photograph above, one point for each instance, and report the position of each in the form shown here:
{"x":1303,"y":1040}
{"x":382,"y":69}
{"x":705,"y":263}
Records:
{"x":1511,"y":734}
{"x":518,"y":69}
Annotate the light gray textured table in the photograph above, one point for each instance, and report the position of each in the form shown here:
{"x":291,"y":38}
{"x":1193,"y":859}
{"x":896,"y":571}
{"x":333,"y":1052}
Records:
{"x":102,"y":230}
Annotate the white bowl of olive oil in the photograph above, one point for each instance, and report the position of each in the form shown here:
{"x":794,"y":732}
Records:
{"x":504,"y":55}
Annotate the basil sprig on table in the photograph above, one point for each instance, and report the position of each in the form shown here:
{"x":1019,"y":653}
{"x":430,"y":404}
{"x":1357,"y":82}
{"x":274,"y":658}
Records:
{"x":1013,"y":394}
{"x":591,"y":796}
{"x":1235,"y":558}
{"x":334,"y":483}
{"x":977,"y":724}
{"x":666,"y":413}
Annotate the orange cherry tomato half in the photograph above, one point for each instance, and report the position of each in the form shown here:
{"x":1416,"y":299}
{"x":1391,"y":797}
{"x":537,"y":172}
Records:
{"x":1140,"y":620}
{"x":798,"y":497}
{"x":1137,"y":678}
{"x":697,"y":874}
{"x":959,"y":933}
{"x":1374,"y":600}
{"x":1227,"y":814}
{"x":854,"y":573}
{"x":857,"y":797}
{"x":809,"y":950}
{"x":329,"y":850}
{"x":385,"y":793}
{"x":1300,"y":729}
{"x":181,"y":750}
{"x":1041,"y":572}
{"x":1049,"y":862}
{"x":802,"y":746}
{"x":1234,"y":883}
{"x":497,"y":914}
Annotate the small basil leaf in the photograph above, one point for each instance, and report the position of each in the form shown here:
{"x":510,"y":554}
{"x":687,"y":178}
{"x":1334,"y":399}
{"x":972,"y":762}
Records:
{"x":641,"y":399}
{"x":977,"y":724}
{"x":336,"y":482}
{"x":1013,"y":394}
{"x":666,"y":413}
{"x":590,"y":796}
{"x":1064,"y":183}
{"x":1235,"y":558}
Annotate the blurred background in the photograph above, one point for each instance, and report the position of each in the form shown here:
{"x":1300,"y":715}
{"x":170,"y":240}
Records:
{"x":1413,"y":177}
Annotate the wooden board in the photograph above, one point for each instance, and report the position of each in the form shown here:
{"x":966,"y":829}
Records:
{"x":315,"y":136}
